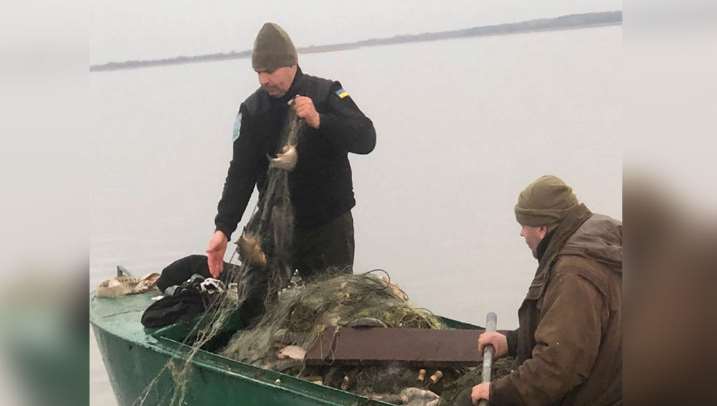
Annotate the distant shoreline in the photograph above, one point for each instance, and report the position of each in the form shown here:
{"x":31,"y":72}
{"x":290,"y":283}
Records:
{"x":572,"y":21}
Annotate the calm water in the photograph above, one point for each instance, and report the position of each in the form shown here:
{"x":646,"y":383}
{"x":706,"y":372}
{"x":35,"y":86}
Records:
{"x":463,"y":126}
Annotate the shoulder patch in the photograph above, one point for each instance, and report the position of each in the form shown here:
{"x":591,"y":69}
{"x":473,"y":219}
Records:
{"x":341,"y":93}
{"x":237,"y":127}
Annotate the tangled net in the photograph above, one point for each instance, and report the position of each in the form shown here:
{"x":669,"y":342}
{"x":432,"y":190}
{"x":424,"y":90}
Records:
{"x":302,"y":313}
{"x":297,"y":316}
{"x":267,"y":240}
{"x":271,"y":229}
{"x":205,"y":329}
{"x":459,"y":390}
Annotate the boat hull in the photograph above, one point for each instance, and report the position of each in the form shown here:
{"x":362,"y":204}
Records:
{"x":134,"y":358}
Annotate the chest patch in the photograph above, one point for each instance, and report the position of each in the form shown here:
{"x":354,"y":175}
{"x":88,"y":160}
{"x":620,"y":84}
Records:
{"x":237,"y":127}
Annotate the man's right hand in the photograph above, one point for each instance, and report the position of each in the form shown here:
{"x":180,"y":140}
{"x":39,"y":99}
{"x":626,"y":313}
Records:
{"x":215,"y":253}
{"x":497,"y":340}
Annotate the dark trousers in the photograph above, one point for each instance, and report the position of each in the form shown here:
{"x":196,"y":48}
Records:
{"x":327,"y":248}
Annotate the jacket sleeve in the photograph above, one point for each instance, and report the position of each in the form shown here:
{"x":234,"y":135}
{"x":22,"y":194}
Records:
{"x":344,"y":125}
{"x":240,"y":180}
{"x":512,"y":339}
{"x":567,"y":344}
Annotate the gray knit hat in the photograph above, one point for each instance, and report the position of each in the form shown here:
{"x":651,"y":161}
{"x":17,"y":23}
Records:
{"x":272,"y":49}
{"x":545,"y":201}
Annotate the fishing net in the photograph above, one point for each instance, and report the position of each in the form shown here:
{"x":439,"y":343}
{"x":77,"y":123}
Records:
{"x":205,"y":329}
{"x":457,"y":391}
{"x":303,"y":312}
{"x":297,"y":313}
{"x":266,"y":241}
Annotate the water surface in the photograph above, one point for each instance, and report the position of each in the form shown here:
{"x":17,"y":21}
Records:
{"x":462,"y":125}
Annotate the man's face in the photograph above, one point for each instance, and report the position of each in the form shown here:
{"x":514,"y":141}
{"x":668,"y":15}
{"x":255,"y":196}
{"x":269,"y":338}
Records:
{"x":533,"y":236}
{"x":277,"y":82}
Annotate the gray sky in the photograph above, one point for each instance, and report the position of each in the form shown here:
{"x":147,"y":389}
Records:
{"x":142,"y":29}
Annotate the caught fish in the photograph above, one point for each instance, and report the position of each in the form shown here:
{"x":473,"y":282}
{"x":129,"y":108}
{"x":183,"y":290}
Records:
{"x":250,"y":250}
{"x":286,"y":159}
{"x":125,"y":284}
{"x":419,"y":397}
{"x":291,"y":352}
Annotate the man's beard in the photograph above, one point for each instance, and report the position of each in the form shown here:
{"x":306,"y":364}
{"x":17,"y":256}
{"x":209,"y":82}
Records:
{"x":274,"y":91}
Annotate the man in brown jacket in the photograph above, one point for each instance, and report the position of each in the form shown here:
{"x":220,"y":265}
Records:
{"x":568,"y":347}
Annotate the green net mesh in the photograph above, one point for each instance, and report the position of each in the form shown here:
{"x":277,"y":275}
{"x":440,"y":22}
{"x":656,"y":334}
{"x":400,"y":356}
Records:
{"x":457,"y":391}
{"x":302,"y":313}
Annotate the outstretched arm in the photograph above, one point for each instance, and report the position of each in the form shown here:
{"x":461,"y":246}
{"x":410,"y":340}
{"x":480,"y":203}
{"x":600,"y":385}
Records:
{"x":238,"y":187}
{"x":240,"y":180}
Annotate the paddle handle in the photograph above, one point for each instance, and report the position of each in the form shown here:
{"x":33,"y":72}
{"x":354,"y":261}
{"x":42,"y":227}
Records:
{"x":491,"y":323}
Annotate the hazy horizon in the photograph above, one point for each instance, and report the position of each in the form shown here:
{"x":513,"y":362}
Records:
{"x":137,"y":30}
{"x":563,"y":22}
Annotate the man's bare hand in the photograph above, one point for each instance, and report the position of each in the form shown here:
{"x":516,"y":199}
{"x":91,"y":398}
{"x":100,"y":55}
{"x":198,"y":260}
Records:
{"x":480,"y":391}
{"x":497,"y":340}
{"x":305,"y":109}
{"x":215,"y":253}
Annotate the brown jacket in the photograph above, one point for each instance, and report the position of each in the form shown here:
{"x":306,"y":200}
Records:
{"x":569,"y":343}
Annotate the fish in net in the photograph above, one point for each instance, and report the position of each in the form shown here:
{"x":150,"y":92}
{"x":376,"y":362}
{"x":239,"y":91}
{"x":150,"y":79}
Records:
{"x":266,"y":241}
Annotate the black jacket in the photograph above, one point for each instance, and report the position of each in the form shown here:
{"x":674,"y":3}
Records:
{"x":320,"y":185}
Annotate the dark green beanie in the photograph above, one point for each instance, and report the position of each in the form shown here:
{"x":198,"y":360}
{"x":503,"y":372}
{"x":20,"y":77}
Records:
{"x":272,"y":49}
{"x":545,"y":201}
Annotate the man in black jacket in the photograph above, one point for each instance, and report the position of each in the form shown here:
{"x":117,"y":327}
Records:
{"x":320,"y":185}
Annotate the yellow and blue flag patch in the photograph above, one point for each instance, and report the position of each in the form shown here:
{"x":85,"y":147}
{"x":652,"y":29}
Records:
{"x":342,"y":93}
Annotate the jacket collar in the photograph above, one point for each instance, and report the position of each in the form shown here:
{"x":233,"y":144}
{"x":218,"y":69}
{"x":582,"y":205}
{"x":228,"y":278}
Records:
{"x":543,"y":245}
{"x":574,"y":219}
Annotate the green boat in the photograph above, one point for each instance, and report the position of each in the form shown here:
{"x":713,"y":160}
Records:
{"x":134,"y":356}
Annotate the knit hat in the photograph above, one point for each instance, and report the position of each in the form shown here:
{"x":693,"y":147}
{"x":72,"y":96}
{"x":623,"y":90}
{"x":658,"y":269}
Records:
{"x":272,"y":49}
{"x":545,"y":201}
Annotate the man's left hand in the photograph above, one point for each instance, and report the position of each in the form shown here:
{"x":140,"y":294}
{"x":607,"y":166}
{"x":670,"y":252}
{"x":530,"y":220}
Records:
{"x":480,"y":391}
{"x":305,"y":109}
